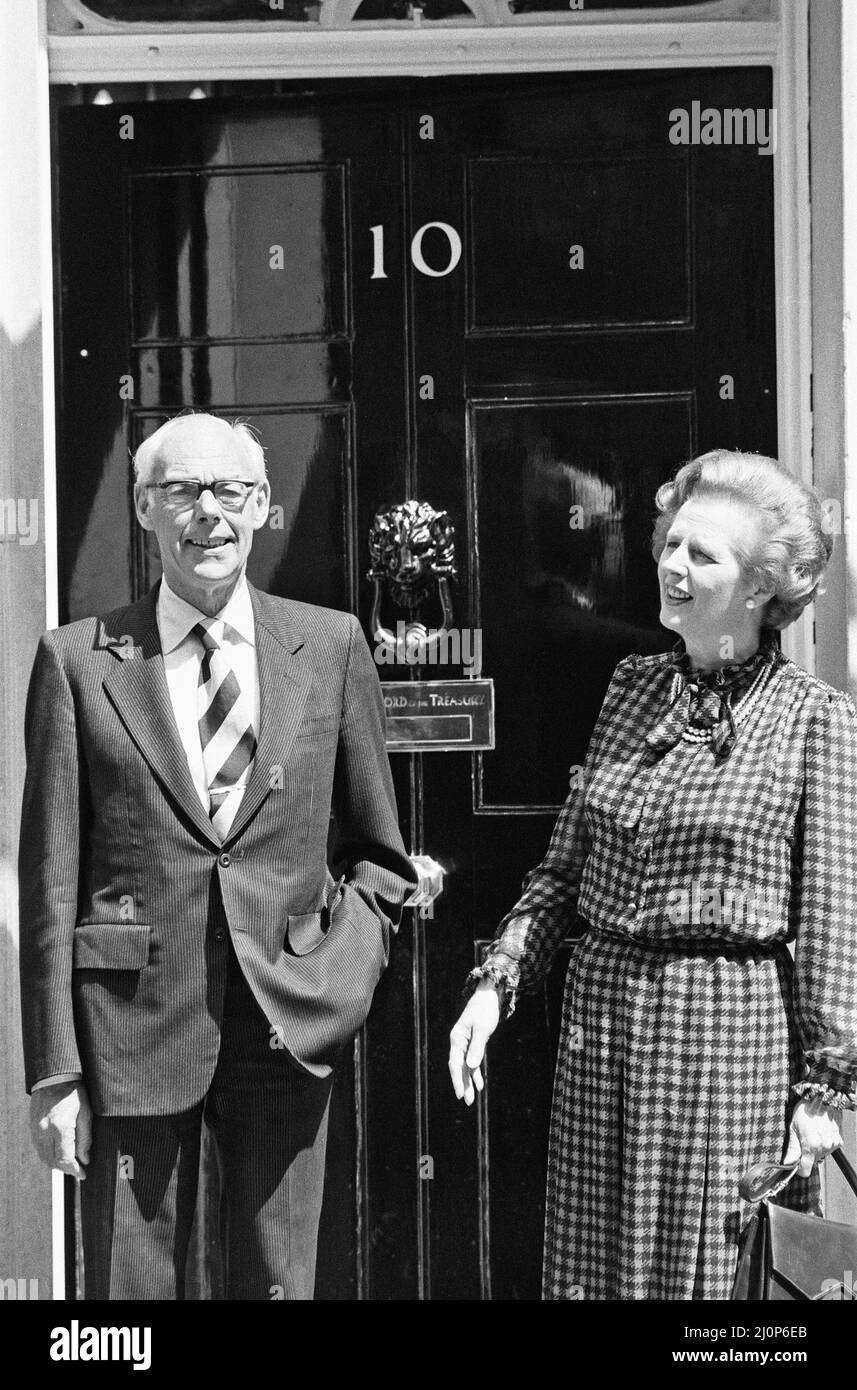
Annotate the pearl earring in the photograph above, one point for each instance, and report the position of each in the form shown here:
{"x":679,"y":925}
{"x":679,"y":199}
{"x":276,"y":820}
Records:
{"x":751,"y":603}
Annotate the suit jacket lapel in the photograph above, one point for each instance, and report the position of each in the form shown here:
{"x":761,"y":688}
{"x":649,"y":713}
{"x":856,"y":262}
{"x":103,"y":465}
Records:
{"x":137,"y":688}
{"x":284,"y":684}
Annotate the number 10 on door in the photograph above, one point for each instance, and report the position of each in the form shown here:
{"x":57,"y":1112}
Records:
{"x":417,"y":257}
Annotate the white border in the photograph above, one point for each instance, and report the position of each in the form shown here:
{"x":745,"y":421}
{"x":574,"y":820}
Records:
{"x":793,"y":269}
{"x":58,"y":1252}
{"x":42,"y":155}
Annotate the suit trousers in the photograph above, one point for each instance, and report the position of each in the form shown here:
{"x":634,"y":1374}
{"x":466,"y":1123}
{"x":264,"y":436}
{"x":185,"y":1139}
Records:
{"x":268,"y":1119}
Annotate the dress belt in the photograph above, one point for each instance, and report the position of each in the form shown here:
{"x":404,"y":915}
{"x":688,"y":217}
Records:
{"x":707,"y":947}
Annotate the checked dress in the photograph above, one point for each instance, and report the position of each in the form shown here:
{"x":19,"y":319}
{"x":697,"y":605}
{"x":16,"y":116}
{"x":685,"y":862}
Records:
{"x":688,"y":1028}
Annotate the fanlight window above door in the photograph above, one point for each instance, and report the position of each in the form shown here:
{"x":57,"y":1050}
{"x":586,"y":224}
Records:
{"x":104,"y":16}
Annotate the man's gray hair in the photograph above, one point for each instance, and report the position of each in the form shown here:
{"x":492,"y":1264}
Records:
{"x":244,"y":436}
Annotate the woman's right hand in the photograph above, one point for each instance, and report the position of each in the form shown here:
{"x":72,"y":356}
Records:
{"x":467,"y":1040}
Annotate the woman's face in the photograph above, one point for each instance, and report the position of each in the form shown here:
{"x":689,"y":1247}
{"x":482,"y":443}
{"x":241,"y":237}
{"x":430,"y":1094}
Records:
{"x":704,"y":591}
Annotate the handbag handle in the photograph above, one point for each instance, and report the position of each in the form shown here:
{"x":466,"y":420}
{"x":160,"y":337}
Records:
{"x":766,"y":1179}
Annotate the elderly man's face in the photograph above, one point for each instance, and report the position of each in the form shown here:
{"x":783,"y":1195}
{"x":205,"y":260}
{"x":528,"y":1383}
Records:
{"x":204,"y":545}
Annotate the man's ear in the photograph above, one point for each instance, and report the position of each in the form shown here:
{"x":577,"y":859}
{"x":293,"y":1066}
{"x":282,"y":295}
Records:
{"x":262,"y":505}
{"x":143,"y":506}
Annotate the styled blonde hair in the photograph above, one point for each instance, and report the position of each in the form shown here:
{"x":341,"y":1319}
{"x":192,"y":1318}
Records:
{"x":794,"y":548}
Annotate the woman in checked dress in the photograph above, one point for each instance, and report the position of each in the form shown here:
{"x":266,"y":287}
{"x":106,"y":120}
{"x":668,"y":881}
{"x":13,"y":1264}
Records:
{"x":716,"y":821}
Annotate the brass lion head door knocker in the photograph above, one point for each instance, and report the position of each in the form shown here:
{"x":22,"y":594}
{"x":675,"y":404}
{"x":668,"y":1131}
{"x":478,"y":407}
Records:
{"x":412,"y":549}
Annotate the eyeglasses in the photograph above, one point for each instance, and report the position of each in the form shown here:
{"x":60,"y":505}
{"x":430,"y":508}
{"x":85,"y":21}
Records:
{"x":230,"y":493}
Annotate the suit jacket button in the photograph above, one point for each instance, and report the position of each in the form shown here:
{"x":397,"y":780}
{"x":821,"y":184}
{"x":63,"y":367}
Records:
{"x":220,"y":934}
{"x":224,"y":861}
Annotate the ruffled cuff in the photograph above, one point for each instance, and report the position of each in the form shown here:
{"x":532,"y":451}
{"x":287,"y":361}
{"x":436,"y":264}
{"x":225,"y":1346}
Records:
{"x":829,"y":1077}
{"x":504,"y":973}
{"x":816,"y":1090}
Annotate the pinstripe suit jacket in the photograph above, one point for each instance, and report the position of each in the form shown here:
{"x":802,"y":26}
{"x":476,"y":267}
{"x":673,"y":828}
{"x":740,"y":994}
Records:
{"x":126,"y":892}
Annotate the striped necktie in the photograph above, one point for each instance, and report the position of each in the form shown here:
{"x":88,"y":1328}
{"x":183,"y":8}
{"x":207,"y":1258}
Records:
{"x":225,"y":726}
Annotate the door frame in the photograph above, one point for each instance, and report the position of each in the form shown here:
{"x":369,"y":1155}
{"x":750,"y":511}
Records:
{"x":155,"y":56}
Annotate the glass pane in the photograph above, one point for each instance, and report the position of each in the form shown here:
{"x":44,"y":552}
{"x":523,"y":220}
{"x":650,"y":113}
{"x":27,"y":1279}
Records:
{"x":570,"y":587}
{"x":401,"y":9}
{"x":253,"y":373}
{"x":629,"y":218}
{"x":229,"y":255}
{"x":541,"y":6}
{"x":202,"y":11}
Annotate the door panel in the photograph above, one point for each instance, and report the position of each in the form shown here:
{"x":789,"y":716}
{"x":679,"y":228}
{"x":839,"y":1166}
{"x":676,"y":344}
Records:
{"x":559,"y":399}
{"x":573,"y":599}
{"x":201,"y":254}
{"x":629,"y":216}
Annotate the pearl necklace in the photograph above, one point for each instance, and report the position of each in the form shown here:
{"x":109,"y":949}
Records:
{"x":740,"y":712}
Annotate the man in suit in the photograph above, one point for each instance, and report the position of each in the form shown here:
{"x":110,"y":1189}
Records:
{"x":186,"y":954}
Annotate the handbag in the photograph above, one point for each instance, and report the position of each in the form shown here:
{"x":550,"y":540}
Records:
{"x":789,"y":1256}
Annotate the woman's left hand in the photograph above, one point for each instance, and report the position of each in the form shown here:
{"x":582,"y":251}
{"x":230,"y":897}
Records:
{"x":813,"y":1134}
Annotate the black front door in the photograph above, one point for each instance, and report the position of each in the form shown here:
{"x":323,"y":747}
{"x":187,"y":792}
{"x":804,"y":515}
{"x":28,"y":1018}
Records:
{"x":520,"y":302}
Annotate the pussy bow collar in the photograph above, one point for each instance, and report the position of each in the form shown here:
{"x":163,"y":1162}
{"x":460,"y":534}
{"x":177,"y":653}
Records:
{"x":705,"y":699}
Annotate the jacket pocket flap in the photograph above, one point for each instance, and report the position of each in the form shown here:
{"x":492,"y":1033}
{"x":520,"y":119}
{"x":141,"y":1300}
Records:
{"x":318,"y":724}
{"x":305,"y":931}
{"x":109,"y":946}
